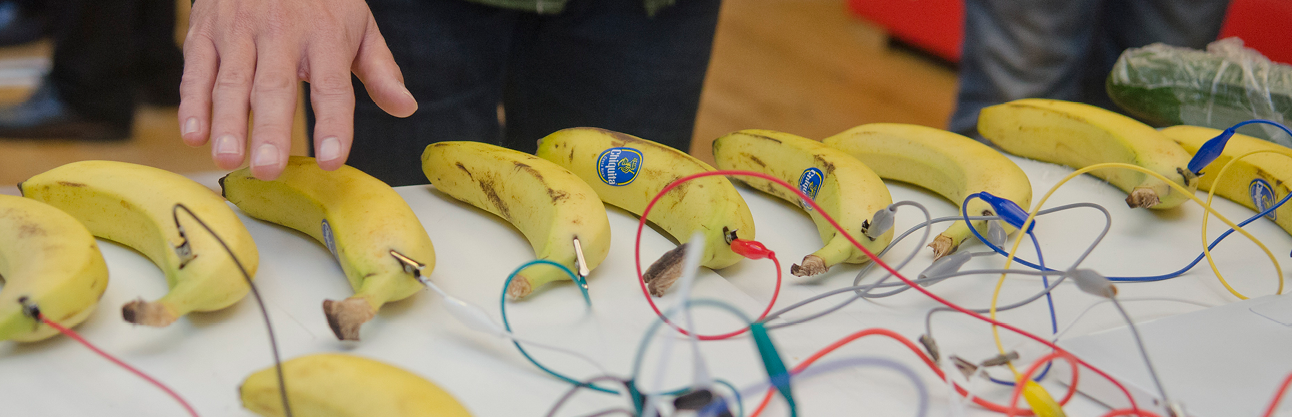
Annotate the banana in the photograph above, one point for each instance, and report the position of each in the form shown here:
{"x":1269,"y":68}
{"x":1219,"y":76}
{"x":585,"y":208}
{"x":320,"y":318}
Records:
{"x":1257,"y":181}
{"x":1079,"y":135}
{"x":381,"y":246}
{"x":340,"y":385}
{"x":951,"y":165}
{"x":135,"y":205}
{"x":627,"y":171}
{"x":47,"y":260}
{"x":548,"y":204}
{"x":844,"y":187}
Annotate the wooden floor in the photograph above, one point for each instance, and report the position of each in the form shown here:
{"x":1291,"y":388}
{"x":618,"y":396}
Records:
{"x":800,"y":66}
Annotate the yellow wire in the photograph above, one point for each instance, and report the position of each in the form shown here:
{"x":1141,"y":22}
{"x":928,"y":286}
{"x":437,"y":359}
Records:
{"x":1031,"y":216}
{"x":1212,"y":194}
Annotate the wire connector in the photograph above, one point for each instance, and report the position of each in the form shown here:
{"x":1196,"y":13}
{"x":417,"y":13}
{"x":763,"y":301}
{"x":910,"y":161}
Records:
{"x":880,"y":223}
{"x":1000,"y":360}
{"x":1209,"y":151}
{"x":1008,"y":211}
{"x":996,"y":234}
{"x":931,"y":346}
{"x":944,"y":266}
{"x":1092,"y":282}
{"x":751,"y":249}
{"x":29,"y":308}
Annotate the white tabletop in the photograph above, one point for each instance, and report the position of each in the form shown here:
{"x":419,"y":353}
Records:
{"x":206,"y":356}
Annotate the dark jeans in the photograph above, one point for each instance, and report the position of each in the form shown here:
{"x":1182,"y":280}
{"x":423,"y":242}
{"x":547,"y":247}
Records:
{"x":1064,"y":49}
{"x":106,"y":51}
{"x":600,"y":63}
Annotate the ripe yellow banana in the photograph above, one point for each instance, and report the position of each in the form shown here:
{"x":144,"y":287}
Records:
{"x":340,"y":385}
{"x":844,"y":187}
{"x":548,"y":204}
{"x":951,"y":165}
{"x":1257,"y":181}
{"x":49,"y":260}
{"x":627,"y":171}
{"x":135,"y":205}
{"x":362,"y":221}
{"x":1079,"y":135}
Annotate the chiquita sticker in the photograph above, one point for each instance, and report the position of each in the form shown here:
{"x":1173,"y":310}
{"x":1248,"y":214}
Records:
{"x":618,"y":167}
{"x":810,"y":184}
{"x":328,"y":238}
{"x":1262,"y":196}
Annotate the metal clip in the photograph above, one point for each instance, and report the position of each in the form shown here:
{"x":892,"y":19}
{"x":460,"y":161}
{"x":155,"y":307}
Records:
{"x":967,"y":368}
{"x":410,"y":266}
{"x":583,"y":263}
{"x":184,"y":250}
{"x":999,"y":360}
{"x":729,"y":235}
{"x":29,"y":308}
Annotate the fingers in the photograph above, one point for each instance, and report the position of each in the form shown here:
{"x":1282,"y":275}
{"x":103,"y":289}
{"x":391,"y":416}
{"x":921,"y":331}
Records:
{"x":195,"y":89}
{"x":376,"y":67}
{"x":273,"y":103}
{"x":229,"y":99}
{"x":332,"y":97}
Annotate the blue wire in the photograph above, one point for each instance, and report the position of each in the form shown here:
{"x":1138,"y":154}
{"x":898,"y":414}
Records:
{"x":1054,"y":321}
{"x":506,"y":325}
{"x":740,"y":403}
{"x":964,"y":212}
{"x":1268,"y":122}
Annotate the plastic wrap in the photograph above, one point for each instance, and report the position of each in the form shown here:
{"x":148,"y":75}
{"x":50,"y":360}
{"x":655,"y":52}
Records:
{"x":1217,"y":88}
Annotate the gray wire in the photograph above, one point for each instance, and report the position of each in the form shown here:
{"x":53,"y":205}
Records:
{"x":863,"y":291}
{"x":1108,"y":217}
{"x":1143,"y":352}
{"x":570,"y":393}
{"x":858,"y":361}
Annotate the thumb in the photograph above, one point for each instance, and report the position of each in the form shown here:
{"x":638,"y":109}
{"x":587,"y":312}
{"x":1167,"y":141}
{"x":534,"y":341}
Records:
{"x":376,"y":68}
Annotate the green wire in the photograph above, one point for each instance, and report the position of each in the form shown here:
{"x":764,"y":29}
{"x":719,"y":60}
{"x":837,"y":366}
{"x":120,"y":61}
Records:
{"x":503,"y":306}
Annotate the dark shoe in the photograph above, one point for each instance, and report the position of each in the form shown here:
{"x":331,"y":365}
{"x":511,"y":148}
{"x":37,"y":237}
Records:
{"x":19,"y":24}
{"x":46,"y":116}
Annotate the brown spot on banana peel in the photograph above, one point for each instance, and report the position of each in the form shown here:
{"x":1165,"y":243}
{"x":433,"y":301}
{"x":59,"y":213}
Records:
{"x":812,"y":265}
{"x":464,"y":169}
{"x":486,"y":186}
{"x":148,"y":314}
{"x":1142,"y":198}
{"x":665,"y":271}
{"x":346,"y":316}
{"x":826,"y":166}
{"x":555,"y":195}
{"x":754,"y":159}
{"x":71,"y":184}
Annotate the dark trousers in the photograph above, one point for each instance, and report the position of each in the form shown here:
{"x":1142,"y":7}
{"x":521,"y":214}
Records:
{"x":1064,"y":49}
{"x":106,"y":51}
{"x":601,"y":63}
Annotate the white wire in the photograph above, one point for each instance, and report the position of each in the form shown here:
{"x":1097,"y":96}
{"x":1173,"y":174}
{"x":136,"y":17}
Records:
{"x":690,"y":266}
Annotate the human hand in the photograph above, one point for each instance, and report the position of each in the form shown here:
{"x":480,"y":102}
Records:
{"x":242,"y":55}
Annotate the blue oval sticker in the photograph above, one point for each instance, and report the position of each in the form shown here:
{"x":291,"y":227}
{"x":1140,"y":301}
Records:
{"x":618,"y":167}
{"x":328,"y":238}
{"x":810,"y":184}
{"x":1262,"y":196}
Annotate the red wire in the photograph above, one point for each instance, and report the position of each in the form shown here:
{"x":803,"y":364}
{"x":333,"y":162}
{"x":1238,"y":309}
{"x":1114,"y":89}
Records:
{"x":868,"y":253}
{"x":915,"y":349}
{"x":1130,"y":412}
{"x":72,"y":334}
{"x":641,"y":224}
{"x":1278,"y":396}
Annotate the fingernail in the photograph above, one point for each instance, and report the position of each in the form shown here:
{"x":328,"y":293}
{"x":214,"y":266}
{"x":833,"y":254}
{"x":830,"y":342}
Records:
{"x":190,"y":125}
{"x":266,"y":155}
{"x":406,"y":92}
{"x":225,"y":145}
{"x":329,"y":148}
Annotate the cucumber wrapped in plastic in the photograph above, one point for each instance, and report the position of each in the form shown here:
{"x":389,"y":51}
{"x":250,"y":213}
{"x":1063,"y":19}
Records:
{"x":1217,"y":88}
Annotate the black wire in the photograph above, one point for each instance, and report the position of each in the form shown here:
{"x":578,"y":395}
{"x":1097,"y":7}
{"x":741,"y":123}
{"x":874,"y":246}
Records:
{"x":273,"y":341}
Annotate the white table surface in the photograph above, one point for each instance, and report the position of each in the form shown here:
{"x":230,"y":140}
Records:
{"x":205,"y":356}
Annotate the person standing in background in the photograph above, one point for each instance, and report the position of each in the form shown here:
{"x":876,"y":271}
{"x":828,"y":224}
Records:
{"x":1064,"y":49}
{"x":635,"y":66}
{"x":107,"y":55}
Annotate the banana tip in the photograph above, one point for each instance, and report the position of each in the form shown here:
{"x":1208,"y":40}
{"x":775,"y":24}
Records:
{"x":519,"y":288}
{"x":811,"y":265}
{"x":942,"y":246}
{"x":1142,"y":198}
{"x":346,"y":316}
{"x":148,"y":314}
{"x":665,"y":271}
